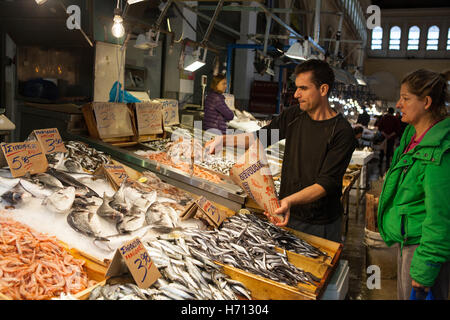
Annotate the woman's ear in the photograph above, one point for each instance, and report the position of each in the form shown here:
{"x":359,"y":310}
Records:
{"x":428,"y":102}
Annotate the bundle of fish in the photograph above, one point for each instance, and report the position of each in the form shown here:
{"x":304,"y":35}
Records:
{"x":128,"y":209}
{"x":57,"y":195}
{"x":79,"y":158}
{"x":158,"y":145}
{"x":242,"y":246}
{"x":185,"y":275}
{"x":217,"y":164}
{"x":268,"y":232}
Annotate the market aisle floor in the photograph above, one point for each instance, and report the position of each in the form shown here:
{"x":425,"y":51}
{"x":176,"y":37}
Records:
{"x":355,"y":252}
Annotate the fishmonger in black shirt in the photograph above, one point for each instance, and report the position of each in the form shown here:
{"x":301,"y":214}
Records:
{"x":319,"y":146}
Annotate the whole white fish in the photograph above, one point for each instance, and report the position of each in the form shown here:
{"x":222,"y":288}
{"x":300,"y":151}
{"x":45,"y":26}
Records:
{"x":133,"y":221}
{"x":107,"y":212}
{"x":16,"y":195}
{"x":35,"y":189}
{"x":48,"y":180}
{"x":86,"y":222}
{"x":119,"y":201}
{"x":60,"y":201}
{"x":7,"y":184}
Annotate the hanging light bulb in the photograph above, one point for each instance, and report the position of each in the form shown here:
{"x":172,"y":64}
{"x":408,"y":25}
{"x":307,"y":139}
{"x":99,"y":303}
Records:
{"x":117,"y":29}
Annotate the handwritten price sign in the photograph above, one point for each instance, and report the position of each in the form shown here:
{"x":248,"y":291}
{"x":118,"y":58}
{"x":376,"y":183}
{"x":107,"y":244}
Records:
{"x":170,"y":112}
{"x":149,"y":118}
{"x":209,"y":209}
{"x":116,"y":173}
{"x":23,"y":157}
{"x":50,"y":140}
{"x":142,"y":268}
{"x":113,"y":120}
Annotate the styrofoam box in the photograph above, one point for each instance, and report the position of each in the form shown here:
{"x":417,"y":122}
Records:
{"x":337,"y":288}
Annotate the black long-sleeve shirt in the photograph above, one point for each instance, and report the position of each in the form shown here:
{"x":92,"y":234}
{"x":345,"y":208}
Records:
{"x":315,"y":152}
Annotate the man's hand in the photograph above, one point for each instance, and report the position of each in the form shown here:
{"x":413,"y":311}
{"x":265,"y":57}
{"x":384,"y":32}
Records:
{"x":283,"y":210}
{"x":214,"y":144}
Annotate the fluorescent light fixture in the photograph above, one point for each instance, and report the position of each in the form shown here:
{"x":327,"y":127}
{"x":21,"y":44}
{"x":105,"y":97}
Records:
{"x":359,"y":78}
{"x":146,"y":41}
{"x":39,"y":2}
{"x":193,"y":62}
{"x":296,"y":51}
{"x":134,"y":1}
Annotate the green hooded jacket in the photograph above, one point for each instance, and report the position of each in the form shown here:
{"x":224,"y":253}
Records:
{"x":414,"y":205}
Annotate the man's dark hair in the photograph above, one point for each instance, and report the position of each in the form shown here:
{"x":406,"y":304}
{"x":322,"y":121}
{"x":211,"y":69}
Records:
{"x":357,"y":130}
{"x":321,"y":72}
{"x":391,"y":110}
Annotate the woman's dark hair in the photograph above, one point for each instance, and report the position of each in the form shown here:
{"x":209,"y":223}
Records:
{"x":424,"y":83}
{"x":321,"y":72}
{"x":215,"y":81}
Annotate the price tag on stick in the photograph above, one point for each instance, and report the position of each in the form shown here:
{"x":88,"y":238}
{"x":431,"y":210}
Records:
{"x":137,"y":262}
{"x":23,"y":157}
{"x":115,"y":173}
{"x":50,"y":140}
{"x":204,"y":210}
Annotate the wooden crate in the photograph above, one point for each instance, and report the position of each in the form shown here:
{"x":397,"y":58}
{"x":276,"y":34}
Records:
{"x":265,"y":289}
{"x":371,"y":212}
{"x":91,"y":123}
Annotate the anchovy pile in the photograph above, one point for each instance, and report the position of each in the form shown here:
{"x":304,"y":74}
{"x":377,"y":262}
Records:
{"x":216,"y":164}
{"x":268,"y":232}
{"x":158,"y":145}
{"x":185,"y":275}
{"x":236,"y":247}
{"x":78,"y":157}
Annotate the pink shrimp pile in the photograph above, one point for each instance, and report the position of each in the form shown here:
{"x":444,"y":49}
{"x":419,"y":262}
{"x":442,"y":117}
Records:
{"x":34,"y":266}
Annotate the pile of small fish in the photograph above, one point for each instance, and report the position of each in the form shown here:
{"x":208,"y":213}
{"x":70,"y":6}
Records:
{"x":34,"y":266}
{"x":158,"y":145}
{"x":79,"y":158}
{"x":217,"y":164}
{"x":268,"y":232}
{"x":186,"y":274}
{"x":243,"y":246}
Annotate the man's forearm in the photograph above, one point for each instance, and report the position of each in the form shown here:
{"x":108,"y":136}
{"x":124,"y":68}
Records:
{"x":307,"y":195}
{"x":241,"y":140}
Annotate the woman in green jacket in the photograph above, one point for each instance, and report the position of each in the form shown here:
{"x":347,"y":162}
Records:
{"x":414,"y":206}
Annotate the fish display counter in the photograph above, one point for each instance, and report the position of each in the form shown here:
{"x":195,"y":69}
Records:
{"x":78,"y":207}
{"x":198,"y":178}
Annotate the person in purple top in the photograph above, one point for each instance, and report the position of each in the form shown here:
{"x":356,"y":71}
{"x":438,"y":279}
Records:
{"x":217,"y":112}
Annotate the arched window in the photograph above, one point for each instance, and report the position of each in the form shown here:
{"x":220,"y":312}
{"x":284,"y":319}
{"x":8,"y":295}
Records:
{"x":413,"y":38}
{"x":433,"y":38}
{"x":448,"y":39}
{"x":377,"y":38}
{"x":394,"y":38}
